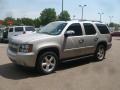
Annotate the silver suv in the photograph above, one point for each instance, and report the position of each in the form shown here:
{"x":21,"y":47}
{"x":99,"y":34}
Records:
{"x":58,"y":41}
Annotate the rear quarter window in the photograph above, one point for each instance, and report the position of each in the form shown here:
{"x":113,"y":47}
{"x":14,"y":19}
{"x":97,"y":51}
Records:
{"x":103,"y":29}
{"x":29,"y":29}
{"x":18,"y":29}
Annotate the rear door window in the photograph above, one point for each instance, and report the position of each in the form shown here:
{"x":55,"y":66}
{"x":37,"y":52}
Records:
{"x":29,"y":29}
{"x":102,"y":29}
{"x":19,"y":29}
{"x":89,"y":29}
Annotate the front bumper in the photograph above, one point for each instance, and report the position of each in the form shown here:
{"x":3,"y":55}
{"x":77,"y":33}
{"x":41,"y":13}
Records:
{"x":23,"y":59}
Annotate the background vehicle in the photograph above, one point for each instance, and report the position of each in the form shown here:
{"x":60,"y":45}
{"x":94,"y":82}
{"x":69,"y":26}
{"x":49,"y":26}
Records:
{"x":115,"y":33}
{"x":1,"y":34}
{"x":4,"y":35}
{"x":18,"y":30}
{"x":59,"y":41}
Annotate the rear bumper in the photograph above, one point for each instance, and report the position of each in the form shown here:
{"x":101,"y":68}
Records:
{"x":23,"y":59}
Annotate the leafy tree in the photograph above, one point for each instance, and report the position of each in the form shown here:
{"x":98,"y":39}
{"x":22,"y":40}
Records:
{"x":8,"y":19}
{"x":111,"y":25}
{"x":27,"y":21}
{"x":18,"y":22}
{"x":115,"y":25}
{"x":37,"y":22}
{"x":48,"y":15}
{"x":64,"y":16}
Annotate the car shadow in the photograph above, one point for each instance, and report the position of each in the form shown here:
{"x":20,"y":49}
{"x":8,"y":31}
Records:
{"x":11,"y":71}
{"x":117,"y":39}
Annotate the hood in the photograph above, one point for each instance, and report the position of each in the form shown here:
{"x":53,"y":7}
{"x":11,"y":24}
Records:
{"x":26,"y":38}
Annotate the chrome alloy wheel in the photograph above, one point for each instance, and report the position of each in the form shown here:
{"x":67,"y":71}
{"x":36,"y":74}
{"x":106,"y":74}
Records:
{"x":48,"y":63}
{"x":101,"y":53}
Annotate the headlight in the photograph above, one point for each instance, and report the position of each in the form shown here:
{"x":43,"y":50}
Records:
{"x":26,"y":48}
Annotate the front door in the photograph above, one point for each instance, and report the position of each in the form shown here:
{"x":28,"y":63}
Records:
{"x":73,"y":45}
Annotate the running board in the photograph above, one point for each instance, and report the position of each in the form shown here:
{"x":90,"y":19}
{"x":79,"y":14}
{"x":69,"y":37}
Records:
{"x":81,"y":57}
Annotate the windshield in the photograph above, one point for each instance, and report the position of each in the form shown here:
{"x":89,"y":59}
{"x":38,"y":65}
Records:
{"x":54,"y":28}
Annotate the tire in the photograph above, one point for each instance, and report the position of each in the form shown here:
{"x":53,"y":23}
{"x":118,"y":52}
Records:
{"x":47,"y":62}
{"x":1,"y":41}
{"x":100,"y":52}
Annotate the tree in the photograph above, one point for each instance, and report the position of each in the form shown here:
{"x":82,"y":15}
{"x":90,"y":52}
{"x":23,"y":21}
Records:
{"x":18,"y":22}
{"x":7,"y":19}
{"x":47,"y":15}
{"x":27,"y":21}
{"x":111,"y":25}
{"x":114,"y":25}
{"x":37,"y":22}
{"x":64,"y":16}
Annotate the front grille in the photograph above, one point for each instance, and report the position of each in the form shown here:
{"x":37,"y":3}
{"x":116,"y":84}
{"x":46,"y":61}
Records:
{"x":13,"y":47}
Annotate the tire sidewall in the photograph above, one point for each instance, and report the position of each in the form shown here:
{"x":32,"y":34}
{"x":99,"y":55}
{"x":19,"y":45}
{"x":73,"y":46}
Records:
{"x":97,"y":50}
{"x":39,"y":62}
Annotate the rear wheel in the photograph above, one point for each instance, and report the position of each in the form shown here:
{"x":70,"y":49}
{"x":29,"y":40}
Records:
{"x":47,"y":62}
{"x":100,"y":52}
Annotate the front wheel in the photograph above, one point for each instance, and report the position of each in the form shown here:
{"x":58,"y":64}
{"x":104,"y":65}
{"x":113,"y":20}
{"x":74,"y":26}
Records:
{"x":47,"y":62}
{"x":100,"y":53}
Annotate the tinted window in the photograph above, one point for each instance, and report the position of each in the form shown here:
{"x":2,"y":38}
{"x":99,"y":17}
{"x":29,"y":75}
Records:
{"x":11,"y":30}
{"x":89,"y":29}
{"x":5,"y":33}
{"x":102,"y":28}
{"x":18,"y":29}
{"x":77,"y":28}
{"x":29,"y":29}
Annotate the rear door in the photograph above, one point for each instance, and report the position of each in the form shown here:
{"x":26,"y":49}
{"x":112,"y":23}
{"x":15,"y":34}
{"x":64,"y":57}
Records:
{"x":91,"y":38}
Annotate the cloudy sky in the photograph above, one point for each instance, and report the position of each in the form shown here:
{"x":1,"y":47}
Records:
{"x":32,"y":8}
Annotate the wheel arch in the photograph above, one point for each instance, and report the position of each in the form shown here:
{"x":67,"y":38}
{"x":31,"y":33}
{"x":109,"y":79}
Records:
{"x":52,"y":48}
{"x":103,"y":43}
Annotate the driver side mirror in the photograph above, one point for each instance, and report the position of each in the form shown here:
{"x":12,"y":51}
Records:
{"x":69,"y":33}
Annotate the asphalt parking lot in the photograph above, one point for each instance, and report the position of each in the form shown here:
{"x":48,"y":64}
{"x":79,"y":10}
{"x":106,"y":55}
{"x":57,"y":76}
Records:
{"x":84,"y":74}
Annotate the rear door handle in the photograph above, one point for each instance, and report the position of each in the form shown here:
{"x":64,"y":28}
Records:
{"x":81,"y":40}
{"x":96,"y":39}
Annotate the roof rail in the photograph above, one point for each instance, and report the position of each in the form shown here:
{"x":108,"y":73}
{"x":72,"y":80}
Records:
{"x":91,"y":20}
{"x":88,"y":20}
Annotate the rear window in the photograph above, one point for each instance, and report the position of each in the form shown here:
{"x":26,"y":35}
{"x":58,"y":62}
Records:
{"x":102,"y":28}
{"x":29,"y":29}
{"x":11,"y":30}
{"x":18,"y":29}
